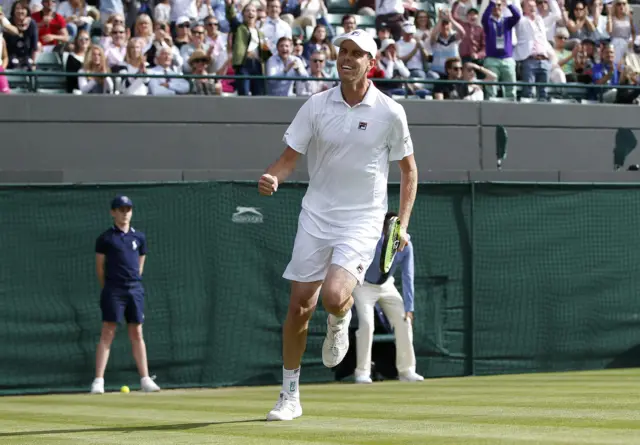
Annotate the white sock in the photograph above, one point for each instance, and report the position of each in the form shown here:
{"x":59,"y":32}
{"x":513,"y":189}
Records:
{"x":290,"y":381}
{"x":334,"y":319}
{"x":99,"y":380}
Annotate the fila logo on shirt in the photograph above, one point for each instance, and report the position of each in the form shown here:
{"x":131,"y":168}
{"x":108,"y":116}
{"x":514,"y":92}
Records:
{"x":362,"y":126}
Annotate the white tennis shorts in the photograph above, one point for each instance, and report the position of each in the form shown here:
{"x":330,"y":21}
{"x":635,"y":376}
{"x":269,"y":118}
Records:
{"x":312,"y":256}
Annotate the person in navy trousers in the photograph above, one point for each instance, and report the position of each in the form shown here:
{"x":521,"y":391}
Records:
{"x":120,"y":254}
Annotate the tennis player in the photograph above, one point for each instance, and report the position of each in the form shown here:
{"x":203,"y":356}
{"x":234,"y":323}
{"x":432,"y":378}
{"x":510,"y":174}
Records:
{"x":379,"y":288}
{"x":120,"y":255}
{"x":350,"y":134}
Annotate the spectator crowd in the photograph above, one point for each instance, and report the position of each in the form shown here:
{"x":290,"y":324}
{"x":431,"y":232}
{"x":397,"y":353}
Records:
{"x":560,"y":42}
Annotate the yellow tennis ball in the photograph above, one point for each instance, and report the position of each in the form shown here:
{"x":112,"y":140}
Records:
{"x":124,"y":390}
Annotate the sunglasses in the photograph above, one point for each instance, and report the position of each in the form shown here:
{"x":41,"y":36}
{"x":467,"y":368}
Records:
{"x":117,"y":32}
{"x":183,"y":25}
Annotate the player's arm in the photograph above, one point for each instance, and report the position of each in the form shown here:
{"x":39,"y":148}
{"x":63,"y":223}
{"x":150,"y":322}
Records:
{"x":100,"y":268}
{"x":297,"y":137}
{"x":278,"y":172}
{"x":408,"y":188}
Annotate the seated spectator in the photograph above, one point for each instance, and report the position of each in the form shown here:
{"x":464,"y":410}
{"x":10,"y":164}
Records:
{"x":349,"y":23}
{"x":284,"y":64}
{"x":22,"y":48}
{"x":582,"y":67}
{"x":620,"y":27}
{"x":75,"y":59}
{"x":453,"y":91}
{"x":413,"y":54}
{"x":199,"y":62}
{"x":564,"y":64}
{"x":52,"y":28}
{"x":591,"y":52}
{"x":183,"y":32}
{"x":629,"y":77}
{"x":444,"y":41}
{"x":273,"y":27}
{"x":469,"y":73}
{"x":197,"y":42}
{"x":249,"y":50}
{"x":376,"y":72}
{"x":169,"y":86}
{"x":298,"y":51}
{"x":311,"y":87}
{"x":143,"y":30}
{"x":605,"y":73}
{"x":183,"y":9}
{"x":599,"y":21}
{"x":76,"y":14}
{"x":473,"y":43}
{"x":581,"y":27}
{"x":95,"y":62}
{"x":423,"y":28}
{"x":498,"y":34}
{"x":393,"y":68}
{"x":383,"y":33}
{"x":162,"y":11}
{"x":134,"y":63}
{"x":319,"y":41}
{"x":162,"y":39}
{"x":116,"y":49}
{"x":111,"y":22}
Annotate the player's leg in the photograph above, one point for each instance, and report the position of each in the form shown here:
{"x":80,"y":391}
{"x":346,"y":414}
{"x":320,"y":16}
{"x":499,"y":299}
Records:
{"x":365,"y":298}
{"x":134,"y":314}
{"x":393,"y":306}
{"x":112,"y":308}
{"x":351,"y":258}
{"x":306,"y":270}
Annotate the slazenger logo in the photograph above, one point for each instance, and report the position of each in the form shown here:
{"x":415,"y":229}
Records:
{"x":247,"y":215}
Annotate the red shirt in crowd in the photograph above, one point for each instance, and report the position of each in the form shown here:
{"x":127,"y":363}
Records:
{"x":54,"y":27}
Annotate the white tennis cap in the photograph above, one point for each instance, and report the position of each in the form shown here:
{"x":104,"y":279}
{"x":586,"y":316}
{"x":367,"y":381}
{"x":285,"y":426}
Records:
{"x":362,"y":38}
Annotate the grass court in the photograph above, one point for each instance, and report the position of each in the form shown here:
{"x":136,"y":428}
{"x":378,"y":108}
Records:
{"x":563,"y":408}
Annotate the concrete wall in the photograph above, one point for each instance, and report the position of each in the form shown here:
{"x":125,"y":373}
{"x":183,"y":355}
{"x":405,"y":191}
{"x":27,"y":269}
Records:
{"x":113,"y":139}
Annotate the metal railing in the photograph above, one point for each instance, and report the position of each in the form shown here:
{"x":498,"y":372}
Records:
{"x":558,"y":90}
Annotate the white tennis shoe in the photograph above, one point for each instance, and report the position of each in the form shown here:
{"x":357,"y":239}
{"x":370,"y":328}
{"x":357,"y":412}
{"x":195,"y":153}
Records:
{"x":97,"y":386}
{"x":287,"y":408}
{"x":148,"y":385}
{"x":411,"y":376}
{"x":336,"y":343}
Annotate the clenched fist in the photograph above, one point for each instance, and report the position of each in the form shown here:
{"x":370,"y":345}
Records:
{"x":268,"y":184}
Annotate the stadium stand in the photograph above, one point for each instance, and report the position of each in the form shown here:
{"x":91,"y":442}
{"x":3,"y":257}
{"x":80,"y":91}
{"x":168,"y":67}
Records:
{"x":572,"y":51}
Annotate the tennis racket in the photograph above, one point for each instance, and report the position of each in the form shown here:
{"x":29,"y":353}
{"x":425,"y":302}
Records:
{"x":390,"y":244}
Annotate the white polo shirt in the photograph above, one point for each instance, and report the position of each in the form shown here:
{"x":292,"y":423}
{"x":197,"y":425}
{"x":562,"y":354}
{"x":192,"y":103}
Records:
{"x":349,"y":151}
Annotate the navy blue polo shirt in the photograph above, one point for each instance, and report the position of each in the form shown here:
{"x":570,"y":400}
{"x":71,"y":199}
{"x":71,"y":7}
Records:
{"x":122,"y":255}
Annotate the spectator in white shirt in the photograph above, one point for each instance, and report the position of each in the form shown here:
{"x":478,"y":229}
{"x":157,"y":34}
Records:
{"x":533,"y":50}
{"x":134,"y":63}
{"x":284,"y":64}
{"x":274,"y":28}
{"x":95,"y":62}
{"x":413,"y":53}
{"x":162,"y":11}
{"x":117,"y":49}
{"x":393,"y":68}
{"x":310,"y":10}
{"x":469,"y":71}
{"x":551,"y":14}
{"x":316,"y":66}
{"x":169,"y":86}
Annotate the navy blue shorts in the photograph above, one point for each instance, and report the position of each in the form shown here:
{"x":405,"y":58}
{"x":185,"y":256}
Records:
{"x":117,"y":303}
